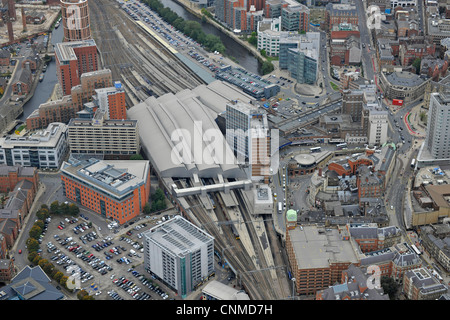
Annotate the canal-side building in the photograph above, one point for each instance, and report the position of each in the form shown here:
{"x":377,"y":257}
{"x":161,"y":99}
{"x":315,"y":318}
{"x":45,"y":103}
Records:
{"x":66,"y":108}
{"x":72,"y":60}
{"x":75,"y":20}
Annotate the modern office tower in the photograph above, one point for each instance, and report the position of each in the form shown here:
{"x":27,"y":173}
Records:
{"x":303,"y":65}
{"x":115,"y":189}
{"x":179,"y":253}
{"x":75,"y":20}
{"x":72,"y":60}
{"x":247,"y":134}
{"x":309,"y":43}
{"x":40,"y":149}
{"x":438,"y":128}
{"x":114,"y":139}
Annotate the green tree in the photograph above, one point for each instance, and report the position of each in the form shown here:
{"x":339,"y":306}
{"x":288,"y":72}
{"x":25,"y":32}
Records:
{"x":267,"y":67}
{"x":42,"y":214}
{"x":35,"y":232}
{"x":32,"y":245}
{"x":74,"y":210}
{"x":40,"y":224}
{"x":147,"y":208}
{"x":32,"y":255}
{"x":390,"y":286}
{"x":136,"y":157}
{"x":416,"y":65}
{"x":58,"y":275}
{"x":54,"y":208}
{"x":253,"y":39}
{"x":36,"y":259}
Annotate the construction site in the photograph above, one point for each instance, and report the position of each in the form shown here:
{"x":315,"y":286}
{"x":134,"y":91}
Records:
{"x":22,"y":21}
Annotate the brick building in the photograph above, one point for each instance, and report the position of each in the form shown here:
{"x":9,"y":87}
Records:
{"x":23,"y":85}
{"x":72,"y":60}
{"x":116,"y":189}
{"x":78,"y":28}
{"x":65,"y":109}
{"x":340,"y":13}
{"x":10,"y":176}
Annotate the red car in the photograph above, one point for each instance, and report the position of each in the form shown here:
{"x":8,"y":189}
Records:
{"x":60,"y":228}
{"x":20,"y":251}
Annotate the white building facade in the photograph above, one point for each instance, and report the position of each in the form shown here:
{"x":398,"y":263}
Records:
{"x":42,"y":149}
{"x":179,"y":253}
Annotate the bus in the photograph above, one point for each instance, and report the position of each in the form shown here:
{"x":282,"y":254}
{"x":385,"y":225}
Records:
{"x":341,"y":146}
{"x":280,"y":207}
{"x":417,"y":251}
{"x":413,"y":163}
{"x":316,"y":149}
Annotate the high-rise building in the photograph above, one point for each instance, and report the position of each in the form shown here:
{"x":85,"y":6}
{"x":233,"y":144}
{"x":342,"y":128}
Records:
{"x":437,"y":141}
{"x":115,"y":189}
{"x":72,"y":60}
{"x":179,"y":253}
{"x":75,"y":20}
{"x":247,"y":133}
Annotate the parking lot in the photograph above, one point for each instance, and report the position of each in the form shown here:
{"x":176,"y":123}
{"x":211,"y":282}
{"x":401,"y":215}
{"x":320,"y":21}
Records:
{"x":108,"y":264}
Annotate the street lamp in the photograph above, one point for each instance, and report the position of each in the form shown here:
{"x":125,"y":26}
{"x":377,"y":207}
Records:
{"x":293,"y":287}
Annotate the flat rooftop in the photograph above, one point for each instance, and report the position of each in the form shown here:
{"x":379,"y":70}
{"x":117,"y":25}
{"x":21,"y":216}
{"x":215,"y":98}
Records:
{"x":316,"y":247}
{"x":114,"y":177}
{"x":178,"y":236}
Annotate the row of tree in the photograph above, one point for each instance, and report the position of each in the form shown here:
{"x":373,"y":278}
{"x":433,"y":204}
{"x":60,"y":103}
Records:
{"x":33,"y":246}
{"x":192,"y":29}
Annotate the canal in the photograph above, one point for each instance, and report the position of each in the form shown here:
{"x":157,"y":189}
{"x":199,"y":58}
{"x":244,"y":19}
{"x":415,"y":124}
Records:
{"x":44,"y":89}
{"x":233,"y":49}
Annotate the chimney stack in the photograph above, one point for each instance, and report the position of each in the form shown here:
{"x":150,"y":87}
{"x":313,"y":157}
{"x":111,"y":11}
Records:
{"x":24,"y":20}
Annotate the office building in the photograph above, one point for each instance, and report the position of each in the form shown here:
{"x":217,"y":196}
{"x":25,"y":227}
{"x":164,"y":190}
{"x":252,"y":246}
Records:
{"x":303,"y":65}
{"x":115,"y":189}
{"x":72,"y":60}
{"x":268,"y":31}
{"x":40,"y":149}
{"x":75,"y":20}
{"x":114,"y":139}
{"x":179,"y":253}
{"x":247,"y":133}
{"x":295,"y":18}
{"x":438,"y":126}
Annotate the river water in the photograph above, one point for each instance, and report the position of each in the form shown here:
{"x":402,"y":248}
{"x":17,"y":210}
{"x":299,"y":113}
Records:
{"x":234,"y":49}
{"x":44,"y":89}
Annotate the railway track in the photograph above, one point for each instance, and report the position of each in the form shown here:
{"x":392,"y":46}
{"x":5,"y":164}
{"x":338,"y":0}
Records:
{"x":256,"y":279}
{"x":130,"y":53}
